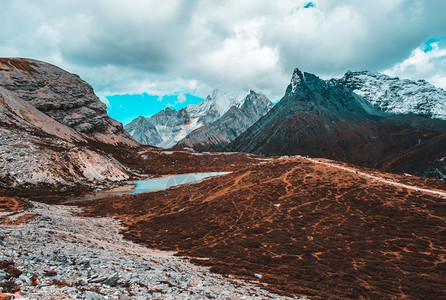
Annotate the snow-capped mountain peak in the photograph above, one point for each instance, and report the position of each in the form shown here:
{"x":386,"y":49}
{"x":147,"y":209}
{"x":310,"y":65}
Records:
{"x":216,"y":103}
{"x":243,"y":113}
{"x":170,"y":126}
{"x":396,"y":95}
{"x":296,"y":80}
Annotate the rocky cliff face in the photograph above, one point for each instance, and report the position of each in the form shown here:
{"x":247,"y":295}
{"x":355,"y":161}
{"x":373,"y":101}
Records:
{"x":63,"y":96}
{"x":144,"y":131}
{"x":54,"y":130}
{"x":163,"y":129}
{"x":169,"y":127}
{"x":398,"y":96}
{"x":216,"y":135}
{"x":214,"y":106}
{"x":326,"y":119}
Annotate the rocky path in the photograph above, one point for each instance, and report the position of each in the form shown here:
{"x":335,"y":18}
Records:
{"x":58,"y":255}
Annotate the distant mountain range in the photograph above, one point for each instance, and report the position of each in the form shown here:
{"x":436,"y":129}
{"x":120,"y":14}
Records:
{"x":328,"y":118}
{"x":208,"y":125}
{"x":237,"y":119}
{"x":364,"y":117}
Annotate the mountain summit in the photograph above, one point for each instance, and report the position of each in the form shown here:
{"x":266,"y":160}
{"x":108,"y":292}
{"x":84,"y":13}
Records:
{"x":54,"y":131}
{"x":240,"y":116}
{"x":63,"y":96}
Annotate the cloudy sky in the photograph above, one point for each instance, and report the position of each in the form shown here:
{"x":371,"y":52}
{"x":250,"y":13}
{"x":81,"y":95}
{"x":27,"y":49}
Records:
{"x":174,"y":52}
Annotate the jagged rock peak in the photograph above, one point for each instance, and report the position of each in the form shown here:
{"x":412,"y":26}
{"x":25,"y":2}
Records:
{"x":296,"y":80}
{"x":139,"y":119}
{"x":297,"y":74}
{"x":300,"y":79}
{"x":240,"y":116}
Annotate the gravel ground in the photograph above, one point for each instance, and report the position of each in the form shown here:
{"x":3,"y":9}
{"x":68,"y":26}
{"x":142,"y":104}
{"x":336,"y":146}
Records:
{"x":56,"y":254}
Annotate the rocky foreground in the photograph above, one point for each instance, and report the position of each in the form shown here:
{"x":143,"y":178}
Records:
{"x":49,"y":252}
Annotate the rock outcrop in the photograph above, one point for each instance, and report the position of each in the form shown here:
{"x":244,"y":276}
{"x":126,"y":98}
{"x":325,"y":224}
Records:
{"x":54,"y":130}
{"x":63,"y":96}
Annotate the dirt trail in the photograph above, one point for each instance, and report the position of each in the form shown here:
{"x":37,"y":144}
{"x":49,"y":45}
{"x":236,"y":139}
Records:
{"x":442,"y":194}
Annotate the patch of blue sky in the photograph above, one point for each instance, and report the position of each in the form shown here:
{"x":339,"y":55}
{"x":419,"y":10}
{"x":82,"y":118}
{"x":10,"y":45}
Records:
{"x":125,"y":108}
{"x":428,"y":45}
{"x":309,"y":5}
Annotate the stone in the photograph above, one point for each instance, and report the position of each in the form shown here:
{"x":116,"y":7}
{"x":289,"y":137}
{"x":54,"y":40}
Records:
{"x":112,"y":280}
{"x":93,"y":296}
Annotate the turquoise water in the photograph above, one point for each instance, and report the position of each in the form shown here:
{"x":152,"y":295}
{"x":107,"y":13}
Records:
{"x":169,"y":181}
{"x":143,"y":186}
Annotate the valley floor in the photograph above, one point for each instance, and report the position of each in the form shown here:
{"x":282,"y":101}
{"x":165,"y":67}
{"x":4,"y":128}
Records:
{"x":303,"y":226}
{"x":283,"y":227}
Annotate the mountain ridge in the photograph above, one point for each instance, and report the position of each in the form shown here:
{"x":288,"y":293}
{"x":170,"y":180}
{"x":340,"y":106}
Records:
{"x":396,"y":95}
{"x":239,"y":117}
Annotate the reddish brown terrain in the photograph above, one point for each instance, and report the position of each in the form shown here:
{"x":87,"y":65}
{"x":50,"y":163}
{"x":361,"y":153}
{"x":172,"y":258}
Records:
{"x":157,"y":161}
{"x":304,"y":227}
{"x":8,"y":204}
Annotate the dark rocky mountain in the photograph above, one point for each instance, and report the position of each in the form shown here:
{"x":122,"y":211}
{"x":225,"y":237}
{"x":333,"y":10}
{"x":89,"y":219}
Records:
{"x":326,"y":119}
{"x":216,"y":135}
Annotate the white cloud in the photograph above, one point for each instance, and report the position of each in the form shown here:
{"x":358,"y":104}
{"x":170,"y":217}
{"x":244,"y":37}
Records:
{"x":181,"y":98}
{"x":430,"y":66}
{"x":104,"y":100}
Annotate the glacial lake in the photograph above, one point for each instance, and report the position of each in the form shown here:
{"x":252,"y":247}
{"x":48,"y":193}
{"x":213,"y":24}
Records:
{"x":148,"y":185}
{"x":170,"y":181}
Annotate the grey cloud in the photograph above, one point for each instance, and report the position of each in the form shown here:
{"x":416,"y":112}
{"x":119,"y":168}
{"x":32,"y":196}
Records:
{"x":157,"y":45}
